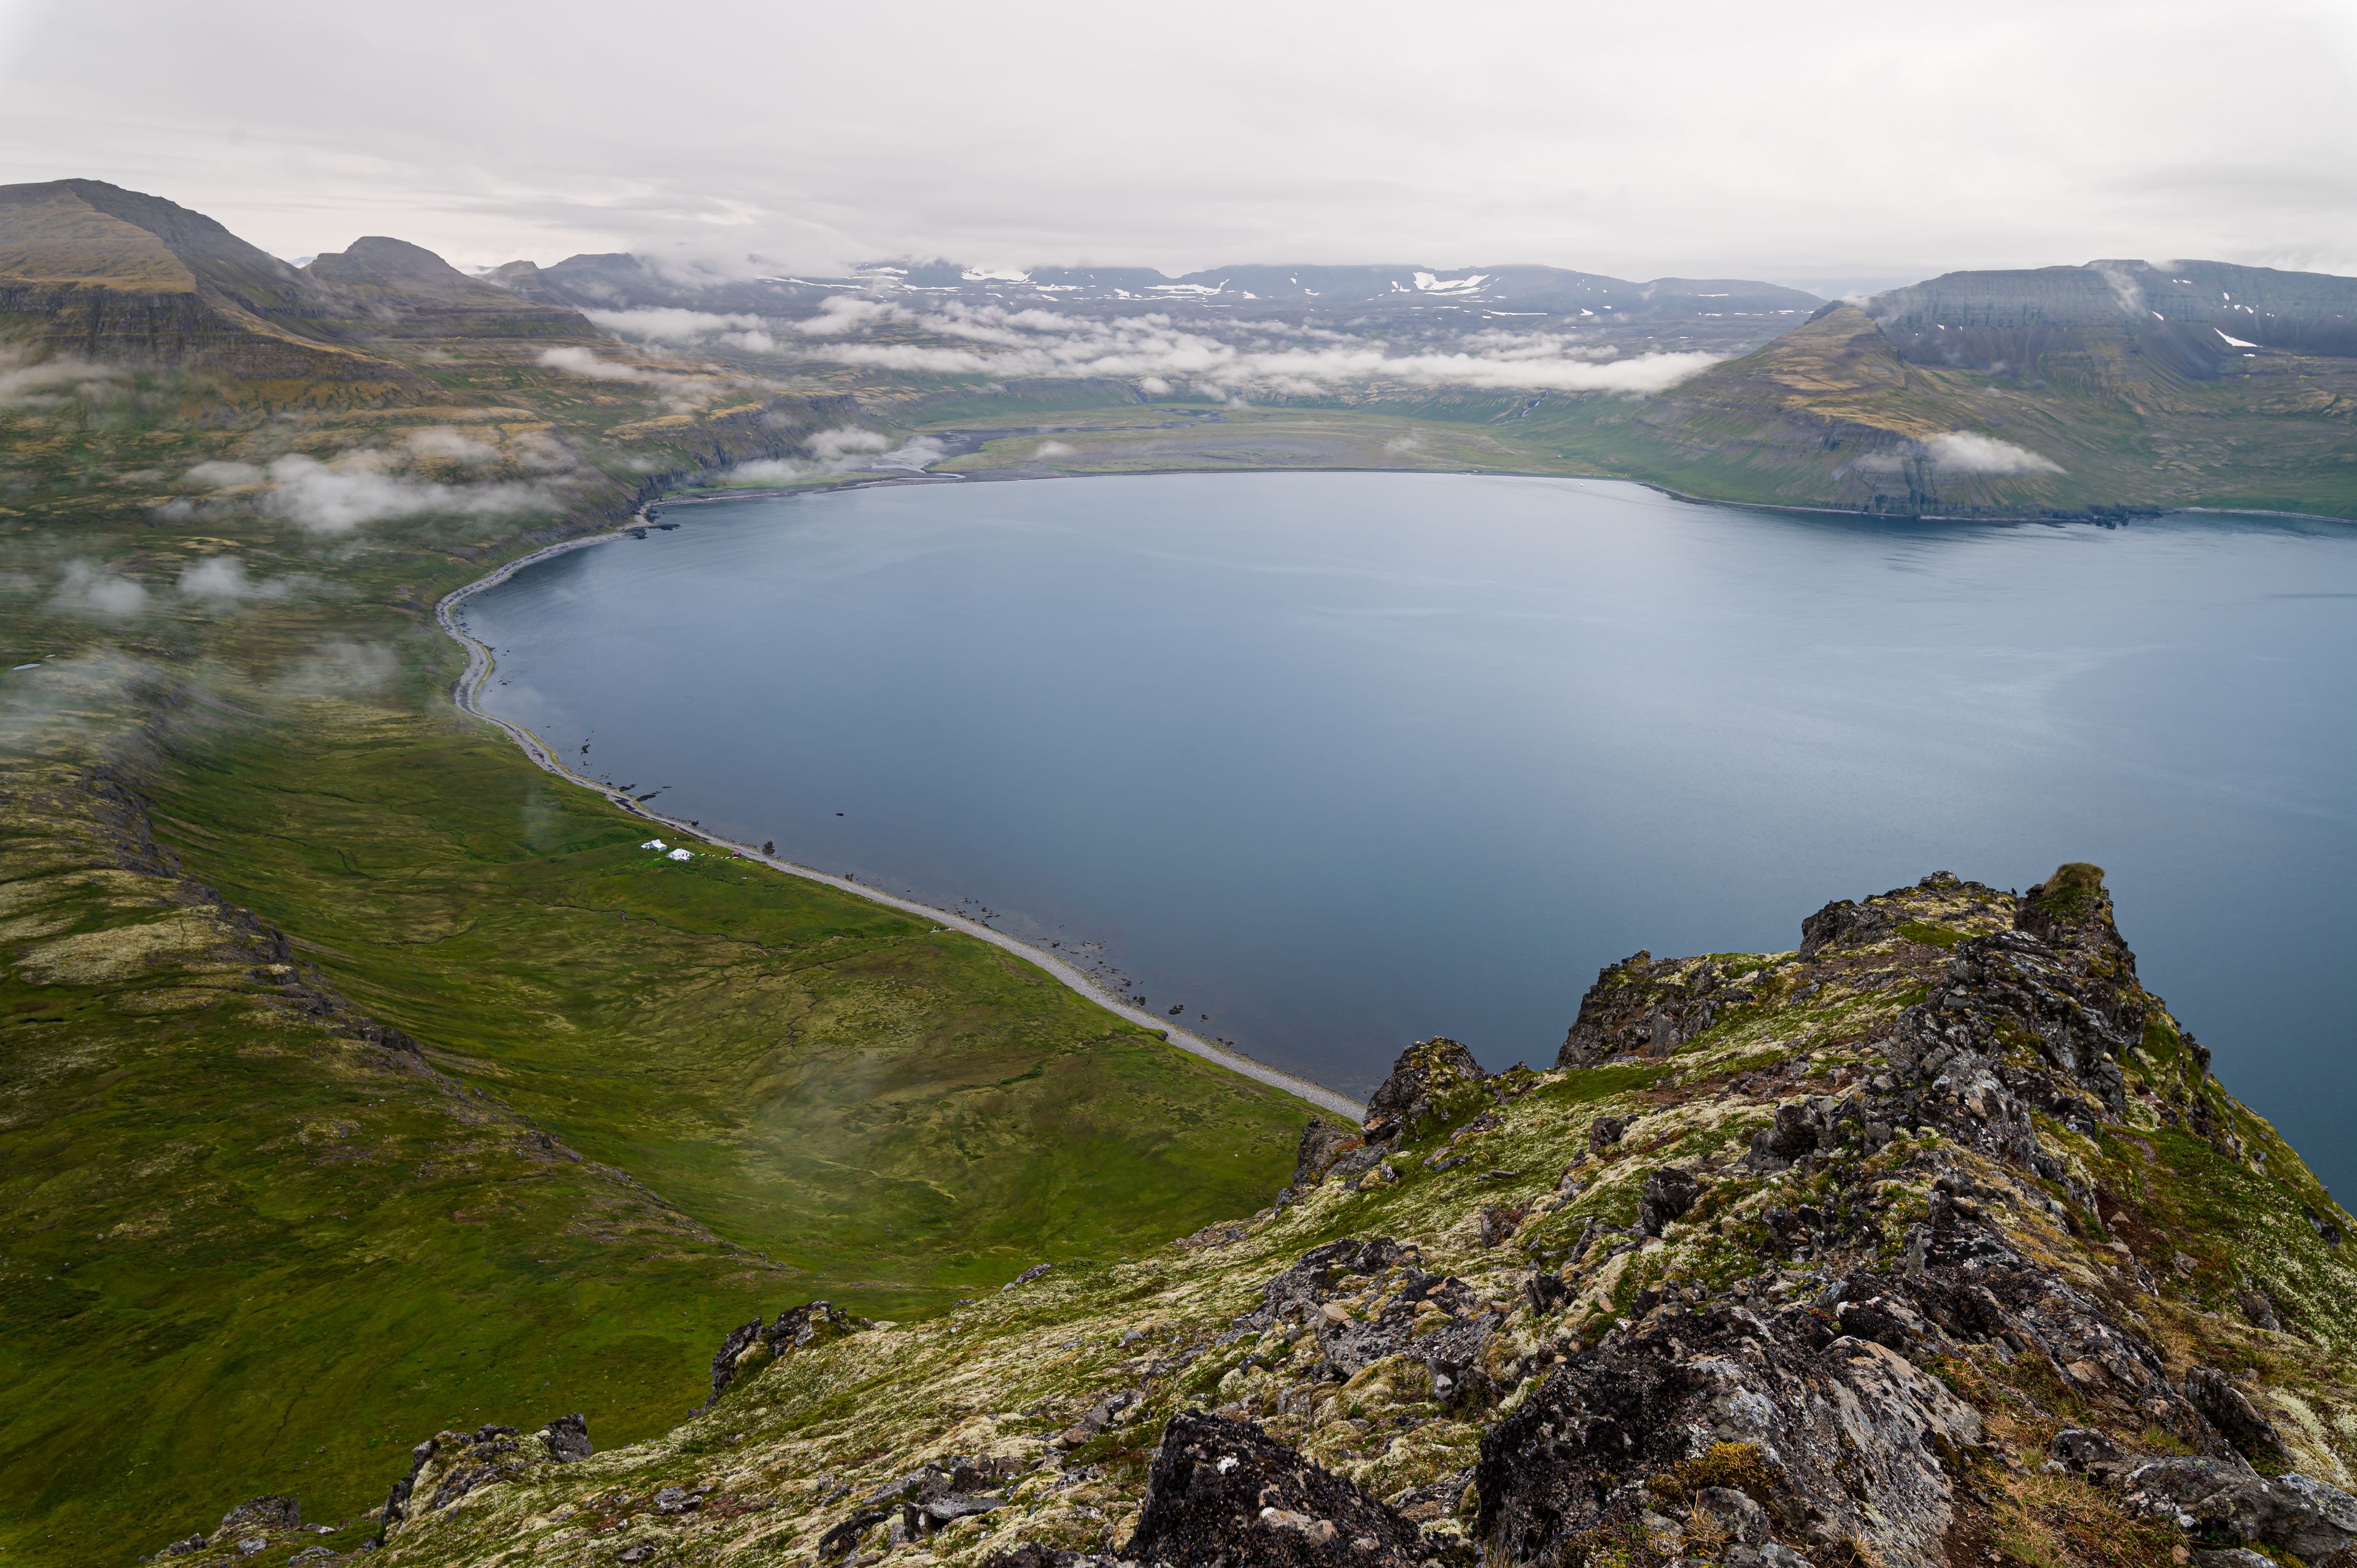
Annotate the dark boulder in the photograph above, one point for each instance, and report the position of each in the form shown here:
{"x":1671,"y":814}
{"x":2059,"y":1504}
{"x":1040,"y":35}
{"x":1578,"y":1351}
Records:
{"x":1605,"y":1131}
{"x":1670,"y":1193}
{"x":1225,"y":1493}
{"x":567,"y":1439}
{"x":264,"y":1513}
{"x":1847,"y":925}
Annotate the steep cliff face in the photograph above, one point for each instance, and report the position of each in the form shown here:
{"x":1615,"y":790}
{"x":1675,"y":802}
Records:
{"x":1933,"y":1242}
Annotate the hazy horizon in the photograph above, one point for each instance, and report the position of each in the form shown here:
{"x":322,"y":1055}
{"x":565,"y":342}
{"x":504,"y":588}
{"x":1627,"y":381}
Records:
{"x":1846,"y":150}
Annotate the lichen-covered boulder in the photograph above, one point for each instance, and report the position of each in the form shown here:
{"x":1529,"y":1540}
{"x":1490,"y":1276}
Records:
{"x":1226,"y":1493}
{"x":1847,"y":1438}
{"x":1435,"y":1083}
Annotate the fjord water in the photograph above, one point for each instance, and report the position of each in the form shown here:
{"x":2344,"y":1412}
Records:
{"x":1344,"y":761}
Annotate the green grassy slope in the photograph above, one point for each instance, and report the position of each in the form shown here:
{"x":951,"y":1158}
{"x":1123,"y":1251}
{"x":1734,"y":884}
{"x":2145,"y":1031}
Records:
{"x":246,"y":1246}
{"x":901,"y":1113}
{"x":249,"y":1250}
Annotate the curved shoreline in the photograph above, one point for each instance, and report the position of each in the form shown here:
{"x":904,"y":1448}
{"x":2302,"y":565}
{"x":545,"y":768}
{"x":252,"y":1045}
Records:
{"x":465,"y":692}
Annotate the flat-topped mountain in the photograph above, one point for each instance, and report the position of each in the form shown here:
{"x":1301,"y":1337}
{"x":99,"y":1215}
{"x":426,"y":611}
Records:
{"x":112,"y":276}
{"x":2059,"y":391}
{"x":90,"y":269}
{"x":2196,"y":317}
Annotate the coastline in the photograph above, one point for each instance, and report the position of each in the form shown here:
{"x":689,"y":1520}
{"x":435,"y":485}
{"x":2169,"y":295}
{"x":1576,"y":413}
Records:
{"x":1004,"y":476}
{"x":466,"y":690}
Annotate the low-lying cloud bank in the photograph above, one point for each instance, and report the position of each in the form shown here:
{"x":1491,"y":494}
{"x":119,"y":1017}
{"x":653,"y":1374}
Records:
{"x":342,"y":493}
{"x":1151,"y":350}
{"x":51,"y":382}
{"x":846,"y":450}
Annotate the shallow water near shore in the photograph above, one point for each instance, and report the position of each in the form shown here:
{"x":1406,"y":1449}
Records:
{"x":1338,"y":761}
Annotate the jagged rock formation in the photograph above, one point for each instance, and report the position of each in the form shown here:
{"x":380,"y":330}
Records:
{"x":1931,"y":1244}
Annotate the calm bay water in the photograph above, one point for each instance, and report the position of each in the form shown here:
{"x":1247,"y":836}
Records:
{"x":1345,"y":760}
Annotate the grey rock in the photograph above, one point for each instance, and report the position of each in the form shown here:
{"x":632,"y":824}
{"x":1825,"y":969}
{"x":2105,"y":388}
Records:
{"x":1427,"y":1084}
{"x":1857,"y":1431}
{"x":1323,"y":1145}
{"x":265,"y":1513}
{"x":1733,"y":1515}
{"x":2302,"y":1516}
{"x":2239,"y":1421}
{"x":2259,"y":1310}
{"x":2234,"y":1557}
{"x":1843,"y":923}
{"x":1224,"y":1490}
{"x":567,"y":1439}
{"x":1670,"y":1193}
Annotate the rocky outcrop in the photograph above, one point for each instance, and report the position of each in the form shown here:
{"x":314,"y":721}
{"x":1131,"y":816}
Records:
{"x":1323,"y":1145}
{"x":449,"y":1465}
{"x":1400,"y":1310}
{"x":1849,"y":1440}
{"x":756,"y":1345}
{"x":1434,"y":1083}
{"x":1812,"y":1292}
{"x":1644,"y":1007}
{"x":1225,"y":1493}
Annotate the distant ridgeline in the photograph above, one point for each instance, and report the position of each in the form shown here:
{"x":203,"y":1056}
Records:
{"x":2096,"y":391}
{"x":1931,"y":1244}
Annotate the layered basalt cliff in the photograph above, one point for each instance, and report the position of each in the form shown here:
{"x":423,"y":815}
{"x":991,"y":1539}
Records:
{"x":1932,"y":1242}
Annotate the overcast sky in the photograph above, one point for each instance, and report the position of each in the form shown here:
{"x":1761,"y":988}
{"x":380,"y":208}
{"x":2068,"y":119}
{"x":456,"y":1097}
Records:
{"x":1823,"y":145}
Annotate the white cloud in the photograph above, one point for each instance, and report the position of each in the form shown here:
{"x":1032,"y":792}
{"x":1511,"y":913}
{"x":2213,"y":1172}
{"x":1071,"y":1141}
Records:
{"x":222,"y":474}
{"x":1053,"y":449}
{"x":51,"y":381}
{"x":339,"y":668}
{"x":1969,"y":452}
{"x":355,"y":488}
{"x":668,"y":324}
{"x":585,"y":362}
{"x":1153,"y":351}
{"x":84,"y":588}
{"x":848,"y":313}
{"x":223,"y":580}
{"x":846,"y":450}
{"x":451,"y":445}
{"x":828,"y":445}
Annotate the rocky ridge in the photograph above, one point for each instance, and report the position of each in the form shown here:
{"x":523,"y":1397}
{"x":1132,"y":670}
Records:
{"x":1934,"y":1242}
